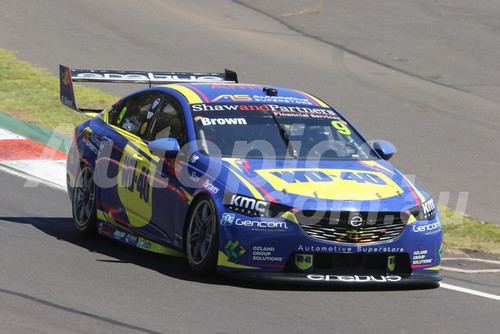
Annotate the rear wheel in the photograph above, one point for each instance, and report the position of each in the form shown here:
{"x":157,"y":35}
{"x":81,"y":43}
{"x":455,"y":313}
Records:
{"x":202,"y":237}
{"x":84,"y":202}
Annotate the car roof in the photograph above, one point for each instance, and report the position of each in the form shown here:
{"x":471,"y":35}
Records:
{"x":243,"y":93}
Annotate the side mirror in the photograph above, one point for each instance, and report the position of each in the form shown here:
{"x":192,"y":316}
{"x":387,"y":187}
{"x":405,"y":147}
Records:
{"x":164,"y":147}
{"x":385,"y":149}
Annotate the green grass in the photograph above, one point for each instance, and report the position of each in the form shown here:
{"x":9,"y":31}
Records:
{"x":32,"y":95}
{"x":463,"y":233}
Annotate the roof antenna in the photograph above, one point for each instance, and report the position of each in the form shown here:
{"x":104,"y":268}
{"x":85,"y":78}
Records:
{"x":270,"y":91}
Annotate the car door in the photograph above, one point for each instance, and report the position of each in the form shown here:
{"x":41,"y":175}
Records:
{"x":134,"y":163}
{"x":168,"y":198}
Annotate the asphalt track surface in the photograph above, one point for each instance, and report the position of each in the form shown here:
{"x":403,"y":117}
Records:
{"x":55,"y":281}
{"x":420,"y":74}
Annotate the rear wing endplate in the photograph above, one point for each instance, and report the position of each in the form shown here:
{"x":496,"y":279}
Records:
{"x":68,"y":76}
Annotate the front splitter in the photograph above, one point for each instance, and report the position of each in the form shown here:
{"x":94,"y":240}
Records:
{"x":350,"y":281}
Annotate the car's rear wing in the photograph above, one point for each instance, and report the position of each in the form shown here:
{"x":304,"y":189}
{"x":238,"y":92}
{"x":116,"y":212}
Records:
{"x":68,"y":76}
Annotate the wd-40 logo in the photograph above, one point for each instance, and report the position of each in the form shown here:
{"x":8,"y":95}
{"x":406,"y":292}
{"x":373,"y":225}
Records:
{"x":234,"y":250}
{"x":320,"y":176}
{"x":227,"y":219}
{"x":227,"y":97}
{"x":334,"y":184}
{"x":303,"y":261}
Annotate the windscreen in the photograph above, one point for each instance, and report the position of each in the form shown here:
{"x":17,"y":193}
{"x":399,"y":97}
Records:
{"x":276,"y":132}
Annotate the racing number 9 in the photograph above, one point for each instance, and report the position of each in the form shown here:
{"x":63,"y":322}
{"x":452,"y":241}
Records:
{"x":341,"y":128}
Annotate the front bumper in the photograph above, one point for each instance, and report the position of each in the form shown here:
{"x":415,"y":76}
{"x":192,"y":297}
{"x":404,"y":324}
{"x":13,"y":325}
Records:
{"x":283,"y":252}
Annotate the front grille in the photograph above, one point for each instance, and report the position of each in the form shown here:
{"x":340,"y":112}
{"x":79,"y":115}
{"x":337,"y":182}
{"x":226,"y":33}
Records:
{"x":360,"y":264}
{"x":370,"y":226}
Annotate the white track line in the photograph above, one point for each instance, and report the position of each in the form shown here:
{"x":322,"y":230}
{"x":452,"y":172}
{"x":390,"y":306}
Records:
{"x":470,"y":291}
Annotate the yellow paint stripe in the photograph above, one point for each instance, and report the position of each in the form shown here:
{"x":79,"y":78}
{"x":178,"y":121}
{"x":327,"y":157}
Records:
{"x":321,"y":103}
{"x":190,"y":95}
{"x":252,"y":189}
{"x":376,"y":164}
{"x":419,"y":194}
{"x":188,"y":195}
{"x":223,"y":261}
{"x":411,"y":220}
{"x":154,"y":247}
{"x":233,"y":163}
{"x":433,"y":268}
{"x":290,"y":216}
{"x":157,"y":248}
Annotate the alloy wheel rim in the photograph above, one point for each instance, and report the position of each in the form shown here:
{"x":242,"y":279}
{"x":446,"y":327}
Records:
{"x":83,"y":199}
{"x":201,"y":232}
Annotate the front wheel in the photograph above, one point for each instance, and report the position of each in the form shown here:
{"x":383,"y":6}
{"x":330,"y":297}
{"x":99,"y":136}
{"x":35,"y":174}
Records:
{"x":202,"y":237}
{"x":84,"y":202}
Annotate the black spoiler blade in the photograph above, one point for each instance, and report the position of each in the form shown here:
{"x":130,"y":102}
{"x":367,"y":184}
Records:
{"x":67,"y":76}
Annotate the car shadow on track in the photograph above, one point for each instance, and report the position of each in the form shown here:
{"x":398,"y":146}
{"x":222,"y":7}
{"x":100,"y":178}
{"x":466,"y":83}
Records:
{"x":62,"y":229}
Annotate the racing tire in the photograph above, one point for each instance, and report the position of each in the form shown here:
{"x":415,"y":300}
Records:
{"x":202,"y":236}
{"x":84,"y":202}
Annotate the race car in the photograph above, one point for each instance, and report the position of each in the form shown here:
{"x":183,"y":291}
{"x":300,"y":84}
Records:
{"x":254,"y":181}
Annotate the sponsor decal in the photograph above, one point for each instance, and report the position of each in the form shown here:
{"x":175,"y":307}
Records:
{"x":136,"y":180}
{"x":135,"y":186}
{"x":420,"y":257}
{"x":348,"y":249}
{"x":206,"y":184}
{"x":213,"y":107}
{"x":227,"y":219}
{"x":303,"y":261}
{"x":144,"y":243}
{"x":194,"y":177}
{"x":258,"y":225}
{"x":131,"y":76}
{"x":379,"y":249}
{"x":150,"y":115}
{"x":281,"y":99}
{"x":354,"y":278}
{"x":125,"y":237}
{"x":222,"y":121}
{"x":319,"y":182}
{"x":234,"y":250}
{"x":428,"y":207}
{"x":233,"y":87}
{"x":265,"y":254}
{"x":237,"y":97}
{"x":427,"y":228}
{"x":92,"y":142}
{"x":279,"y":110}
{"x":155,"y":104}
{"x":118,"y":234}
{"x":246,"y":204}
{"x":210,"y":187}
{"x":193,"y":158}
{"x":391,"y":263}
{"x":325,"y":249}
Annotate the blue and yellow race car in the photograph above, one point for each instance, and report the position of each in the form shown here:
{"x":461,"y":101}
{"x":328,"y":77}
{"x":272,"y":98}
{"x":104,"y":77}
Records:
{"x":254,"y":181}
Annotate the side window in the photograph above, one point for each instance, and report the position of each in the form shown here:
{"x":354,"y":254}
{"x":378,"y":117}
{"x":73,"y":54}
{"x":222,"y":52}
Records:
{"x":136,"y":113}
{"x":169,"y":123}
